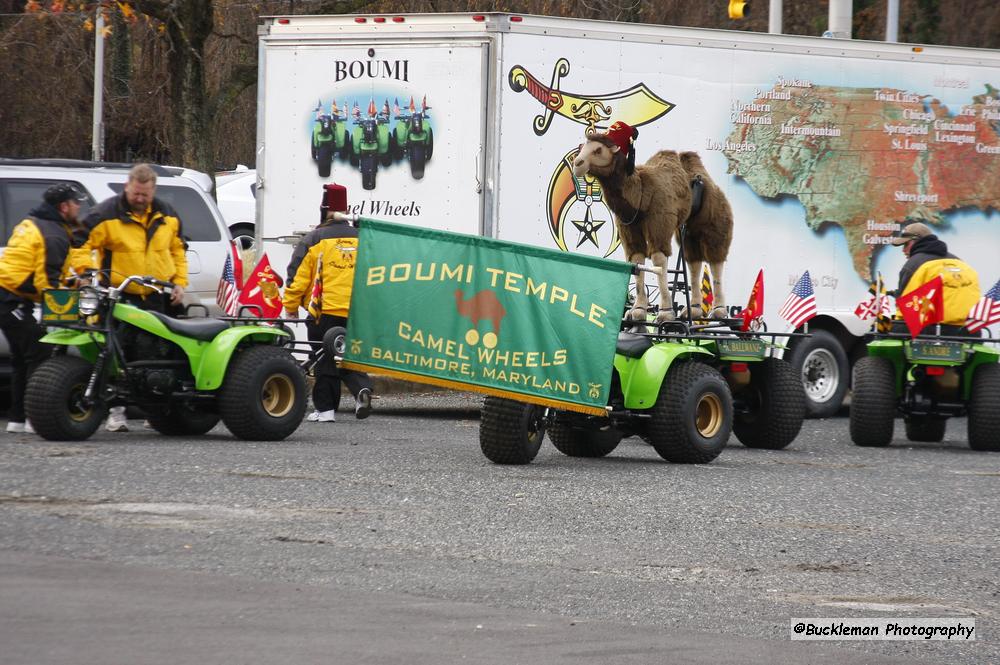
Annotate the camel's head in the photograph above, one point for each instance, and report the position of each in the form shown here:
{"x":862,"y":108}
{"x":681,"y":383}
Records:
{"x":605,"y":152}
{"x":597,"y":156}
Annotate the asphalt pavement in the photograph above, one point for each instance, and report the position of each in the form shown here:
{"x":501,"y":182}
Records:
{"x":392,"y":540}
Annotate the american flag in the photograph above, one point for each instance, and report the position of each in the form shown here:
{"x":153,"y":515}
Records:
{"x":800,"y":306}
{"x":227,"y":294}
{"x":986,"y":312}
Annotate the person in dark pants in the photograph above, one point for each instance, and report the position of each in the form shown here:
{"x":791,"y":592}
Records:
{"x":36,"y":258}
{"x":136,"y":233}
{"x":320,"y":277}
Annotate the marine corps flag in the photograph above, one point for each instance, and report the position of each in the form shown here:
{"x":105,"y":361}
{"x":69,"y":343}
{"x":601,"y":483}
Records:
{"x":922,"y":306}
{"x":755,"y":306}
{"x":262,"y":291}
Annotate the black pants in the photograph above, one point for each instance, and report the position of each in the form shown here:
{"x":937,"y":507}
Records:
{"x":18,"y":324}
{"x":326,"y":391}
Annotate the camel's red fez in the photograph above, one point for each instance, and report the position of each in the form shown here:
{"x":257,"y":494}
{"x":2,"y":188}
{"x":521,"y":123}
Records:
{"x":621,"y":134}
{"x":334,"y":198}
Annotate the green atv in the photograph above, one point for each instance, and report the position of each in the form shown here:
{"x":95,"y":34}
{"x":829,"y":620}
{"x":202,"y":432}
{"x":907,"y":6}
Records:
{"x":372,"y":144}
{"x":682,"y":388}
{"x":186,"y":374}
{"x":330,"y":137}
{"x":927,"y":379}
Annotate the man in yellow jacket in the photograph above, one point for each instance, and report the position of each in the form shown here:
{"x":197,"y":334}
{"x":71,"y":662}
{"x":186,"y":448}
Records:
{"x":328,"y":254}
{"x":136,"y":233}
{"x":36,"y":259}
{"x":928,"y":257}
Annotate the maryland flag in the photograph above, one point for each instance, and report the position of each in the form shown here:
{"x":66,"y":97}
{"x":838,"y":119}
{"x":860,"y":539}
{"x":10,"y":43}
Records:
{"x":922,"y":306}
{"x":315,"y":307}
{"x":707,"y":297}
{"x":755,"y":306}
{"x":876,"y":306}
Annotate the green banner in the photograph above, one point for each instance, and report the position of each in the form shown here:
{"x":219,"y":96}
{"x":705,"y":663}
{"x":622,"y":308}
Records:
{"x":472,"y":313}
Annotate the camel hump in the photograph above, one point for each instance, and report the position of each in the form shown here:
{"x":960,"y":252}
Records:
{"x":691,"y":159}
{"x":668,"y":158}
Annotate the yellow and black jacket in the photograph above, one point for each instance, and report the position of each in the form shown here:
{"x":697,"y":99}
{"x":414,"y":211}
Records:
{"x":929,"y":258}
{"x":37,"y":255}
{"x":337,"y":244}
{"x":132,"y":244}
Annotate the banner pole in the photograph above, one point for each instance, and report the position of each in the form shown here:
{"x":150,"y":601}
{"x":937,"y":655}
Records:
{"x":636,"y":268}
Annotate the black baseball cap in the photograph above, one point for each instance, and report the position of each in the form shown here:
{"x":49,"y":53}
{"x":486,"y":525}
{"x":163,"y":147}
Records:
{"x":63,"y":191}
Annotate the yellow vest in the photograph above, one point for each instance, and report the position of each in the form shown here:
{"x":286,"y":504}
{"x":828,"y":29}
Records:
{"x":961,"y":287}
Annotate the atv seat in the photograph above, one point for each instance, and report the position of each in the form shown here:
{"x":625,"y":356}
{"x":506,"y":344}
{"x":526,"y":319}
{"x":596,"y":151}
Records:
{"x":632,"y":345}
{"x":200,"y":329}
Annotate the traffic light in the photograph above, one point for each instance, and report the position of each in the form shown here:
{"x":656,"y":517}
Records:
{"x":739,"y":9}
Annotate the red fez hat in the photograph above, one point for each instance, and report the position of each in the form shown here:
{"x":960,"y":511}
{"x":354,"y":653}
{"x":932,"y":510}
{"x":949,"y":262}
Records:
{"x":334,"y":198}
{"x":621,"y":135}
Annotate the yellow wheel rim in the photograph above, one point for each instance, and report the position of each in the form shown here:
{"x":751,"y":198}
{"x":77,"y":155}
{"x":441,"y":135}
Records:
{"x":708,"y":415}
{"x":76,"y":412}
{"x":277,"y":395}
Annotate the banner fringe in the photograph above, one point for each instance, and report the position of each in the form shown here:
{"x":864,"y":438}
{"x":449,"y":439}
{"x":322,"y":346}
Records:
{"x":471,"y":387}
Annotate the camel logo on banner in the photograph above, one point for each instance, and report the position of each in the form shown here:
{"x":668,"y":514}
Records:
{"x":575,"y":206}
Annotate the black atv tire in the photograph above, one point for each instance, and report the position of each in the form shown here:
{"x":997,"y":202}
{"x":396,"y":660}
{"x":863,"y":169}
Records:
{"x":510,"y":432}
{"x":263,"y":397}
{"x":430,"y":144}
{"x":418,"y":159}
{"x":51,"y":401}
{"x":693,"y":414}
{"x":348,"y":149}
{"x":182,"y":420}
{"x":984,"y":409}
{"x":580,"y":442}
{"x":873,"y":403}
{"x":925,"y":428}
{"x":369,"y":167}
{"x":387,"y":157}
{"x":324,"y":159}
{"x":825,"y":372}
{"x":353,"y":156}
{"x":777,"y":404}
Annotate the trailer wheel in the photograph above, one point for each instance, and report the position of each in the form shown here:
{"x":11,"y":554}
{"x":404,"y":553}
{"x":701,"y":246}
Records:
{"x":324,"y":159}
{"x":53,"y":400}
{"x":984,"y":409}
{"x":925,"y":428}
{"x":873,"y":403}
{"x":776,"y":406}
{"x":693,"y":415}
{"x":263,"y":397}
{"x":581,"y":442}
{"x":418,"y":159}
{"x":510,"y":432}
{"x":825,"y":372}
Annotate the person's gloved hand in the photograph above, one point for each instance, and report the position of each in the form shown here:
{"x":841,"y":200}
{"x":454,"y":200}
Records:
{"x":177,"y":294}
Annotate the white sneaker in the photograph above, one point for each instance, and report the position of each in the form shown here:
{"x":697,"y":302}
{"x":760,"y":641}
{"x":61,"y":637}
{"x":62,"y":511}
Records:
{"x":116,"y":420}
{"x":28,"y":429}
{"x":15,"y":428}
{"x":322,"y":416}
{"x":363,"y":408}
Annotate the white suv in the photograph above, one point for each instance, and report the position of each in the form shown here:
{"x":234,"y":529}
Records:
{"x":22,"y":182}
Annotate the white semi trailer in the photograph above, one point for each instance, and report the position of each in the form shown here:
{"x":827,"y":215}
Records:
{"x":469,"y":122}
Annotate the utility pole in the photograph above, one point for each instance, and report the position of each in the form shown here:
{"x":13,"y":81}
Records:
{"x":97,"y":136}
{"x":841,"y":15}
{"x":774,"y":17}
{"x":892,"y":21}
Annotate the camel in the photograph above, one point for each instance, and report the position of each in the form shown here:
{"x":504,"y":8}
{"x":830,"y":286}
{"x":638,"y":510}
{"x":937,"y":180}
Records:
{"x":650,"y":202}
